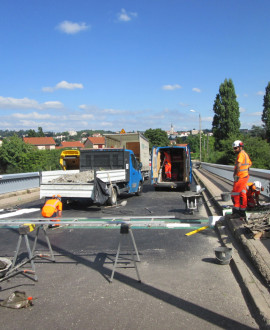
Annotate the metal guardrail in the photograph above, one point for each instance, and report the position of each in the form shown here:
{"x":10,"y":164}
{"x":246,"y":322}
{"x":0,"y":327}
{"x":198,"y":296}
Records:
{"x":22,"y":181}
{"x":15,"y":182}
{"x":226,"y":171}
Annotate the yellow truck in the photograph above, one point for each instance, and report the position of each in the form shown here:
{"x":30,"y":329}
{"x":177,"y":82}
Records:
{"x":70,"y":160}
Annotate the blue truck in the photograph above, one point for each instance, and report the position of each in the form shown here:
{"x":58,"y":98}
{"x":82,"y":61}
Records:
{"x":103,"y":175}
{"x":171,"y":167}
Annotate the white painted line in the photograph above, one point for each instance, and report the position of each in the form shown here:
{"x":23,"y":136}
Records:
{"x":176,"y":225}
{"x":19,"y":212}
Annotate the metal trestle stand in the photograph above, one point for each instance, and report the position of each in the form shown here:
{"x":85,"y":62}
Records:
{"x":126,"y":230}
{"x":24,"y":230}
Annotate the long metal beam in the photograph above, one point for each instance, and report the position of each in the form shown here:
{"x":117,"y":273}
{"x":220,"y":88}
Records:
{"x":146,"y":222}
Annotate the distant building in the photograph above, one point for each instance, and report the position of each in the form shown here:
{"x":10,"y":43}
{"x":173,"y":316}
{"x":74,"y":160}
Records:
{"x":41,"y":143}
{"x":72,"y":133}
{"x":194,"y":132}
{"x":71,"y":144}
{"x":95,"y":142}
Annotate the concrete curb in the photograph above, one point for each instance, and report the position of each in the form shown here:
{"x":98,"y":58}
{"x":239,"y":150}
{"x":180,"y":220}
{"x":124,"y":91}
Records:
{"x":245,"y":258}
{"x":257,"y":257}
{"x":257,"y":295}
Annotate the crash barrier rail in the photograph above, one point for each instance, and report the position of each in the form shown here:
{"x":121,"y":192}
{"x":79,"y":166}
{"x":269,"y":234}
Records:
{"x":226,"y":172}
{"x":15,"y":182}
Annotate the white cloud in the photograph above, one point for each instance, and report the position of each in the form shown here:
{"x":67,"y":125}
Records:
{"x":71,"y":27}
{"x":256,"y":113}
{"x":197,"y":90}
{"x":183,"y":104}
{"x":25,"y":103}
{"x":52,"y":105}
{"x":125,"y":16}
{"x":242,"y":109}
{"x":171,"y":87}
{"x":260,"y":93}
{"x":107,"y":124}
{"x":63,"y":85}
{"x":114,"y":111}
{"x":33,"y":115}
{"x":208,"y":119}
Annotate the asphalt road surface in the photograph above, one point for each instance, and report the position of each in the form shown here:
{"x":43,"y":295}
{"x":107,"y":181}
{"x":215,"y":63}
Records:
{"x":183,"y":286}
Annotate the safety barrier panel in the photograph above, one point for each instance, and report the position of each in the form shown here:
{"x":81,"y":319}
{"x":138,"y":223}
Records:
{"x":226,"y":171}
{"x":15,"y":182}
{"x":22,"y":181}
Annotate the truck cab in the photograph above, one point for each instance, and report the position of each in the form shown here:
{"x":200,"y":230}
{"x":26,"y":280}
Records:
{"x":115,"y":159}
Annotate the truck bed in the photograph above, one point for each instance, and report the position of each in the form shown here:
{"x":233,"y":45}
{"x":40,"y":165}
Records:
{"x":75,"y":189}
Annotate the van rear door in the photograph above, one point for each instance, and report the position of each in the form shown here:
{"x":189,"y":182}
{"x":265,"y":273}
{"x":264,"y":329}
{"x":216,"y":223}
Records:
{"x":154,"y":165}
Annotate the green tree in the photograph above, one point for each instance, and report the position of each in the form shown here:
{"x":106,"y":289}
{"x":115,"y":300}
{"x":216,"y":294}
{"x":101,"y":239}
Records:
{"x":157,"y":137}
{"x":257,"y":149}
{"x":31,"y":133}
{"x":257,"y":131}
{"x":40,"y":132}
{"x":12,"y":154}
{"x":226,"y":108}
{"x":266,"y":111}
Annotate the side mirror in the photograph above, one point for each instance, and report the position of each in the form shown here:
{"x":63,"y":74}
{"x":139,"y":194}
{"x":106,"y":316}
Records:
{"x":140,"y":165}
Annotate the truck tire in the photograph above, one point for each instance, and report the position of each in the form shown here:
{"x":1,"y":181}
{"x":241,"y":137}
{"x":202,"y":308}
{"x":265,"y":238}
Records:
{"x":187,"y":187}
{"x":112,"y":200}
{"x":139,"y":191}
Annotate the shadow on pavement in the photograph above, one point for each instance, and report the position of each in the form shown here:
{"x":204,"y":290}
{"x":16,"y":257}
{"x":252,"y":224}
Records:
{"x":189,"y":307}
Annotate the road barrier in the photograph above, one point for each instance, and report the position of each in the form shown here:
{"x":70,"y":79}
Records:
{"x":16,"y":182}
{"x":226,"y":172}
{"x":22,"y":181}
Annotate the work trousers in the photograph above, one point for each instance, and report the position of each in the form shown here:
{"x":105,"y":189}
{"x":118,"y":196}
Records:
{"x":168,"y":172}
{"x":239,"y":194}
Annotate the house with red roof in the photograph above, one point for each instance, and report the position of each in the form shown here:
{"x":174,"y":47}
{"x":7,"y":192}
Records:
{"x":95,"y":142}
{"x":71,"y":144}
{"x":41,"y":143}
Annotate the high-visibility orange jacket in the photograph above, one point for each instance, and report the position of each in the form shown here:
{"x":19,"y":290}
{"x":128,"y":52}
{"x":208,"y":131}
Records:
{"x":168,"y":165}
{"x":245,"y":162}
{"x":50,"y":207}
{"x":252,"y":193}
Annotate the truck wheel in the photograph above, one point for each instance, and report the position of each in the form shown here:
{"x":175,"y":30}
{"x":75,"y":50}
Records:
{"x":112,"y":200}
{"x":187,"y":187}
{"x":139,"y":191}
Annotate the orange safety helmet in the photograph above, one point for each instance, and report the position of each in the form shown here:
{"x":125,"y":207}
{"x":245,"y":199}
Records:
{"x":56,"y":197}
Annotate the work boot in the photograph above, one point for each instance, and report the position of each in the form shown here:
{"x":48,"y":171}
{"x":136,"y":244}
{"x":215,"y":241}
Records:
{"x":235,"y":214}
{"x":243,"y":215}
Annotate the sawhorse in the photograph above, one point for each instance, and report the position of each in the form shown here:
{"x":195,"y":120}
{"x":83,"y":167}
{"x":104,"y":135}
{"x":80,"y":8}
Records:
{"x":23,"y":233}
{"x":125,"y":230}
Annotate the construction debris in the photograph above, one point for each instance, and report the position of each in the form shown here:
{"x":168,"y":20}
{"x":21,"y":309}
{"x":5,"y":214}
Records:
{"x":82,"y":177}
{"x":259,"y":225}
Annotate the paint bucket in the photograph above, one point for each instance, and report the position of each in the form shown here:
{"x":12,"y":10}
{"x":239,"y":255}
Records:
{"x":223,"y":255}
{"x":226,"y":196}
{"x":5,"y":264}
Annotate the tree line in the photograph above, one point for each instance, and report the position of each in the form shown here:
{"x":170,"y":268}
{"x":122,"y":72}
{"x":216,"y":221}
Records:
{"x":19,"y":157}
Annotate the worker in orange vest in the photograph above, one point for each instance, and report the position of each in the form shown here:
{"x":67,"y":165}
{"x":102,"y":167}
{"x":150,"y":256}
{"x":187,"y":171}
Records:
{"x":53,"y":208}
{"x":241,"y":176}
{"x":253,"y":192}
{"x":168,"y":166}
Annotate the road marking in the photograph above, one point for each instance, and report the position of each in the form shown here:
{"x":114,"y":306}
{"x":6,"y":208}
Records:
{"x":18,"y":212}
{"x":175,"y":225}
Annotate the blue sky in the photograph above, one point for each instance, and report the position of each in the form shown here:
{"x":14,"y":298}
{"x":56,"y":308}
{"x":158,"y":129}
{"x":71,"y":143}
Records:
{"x":113,"y":64}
